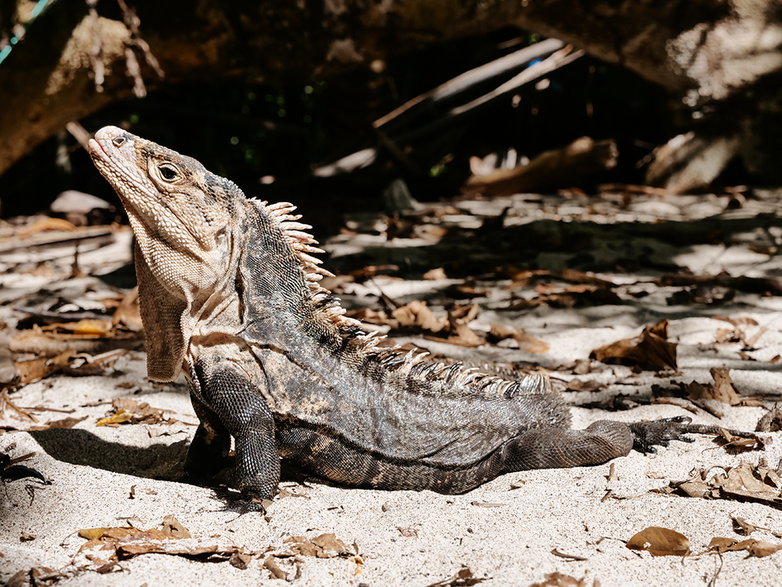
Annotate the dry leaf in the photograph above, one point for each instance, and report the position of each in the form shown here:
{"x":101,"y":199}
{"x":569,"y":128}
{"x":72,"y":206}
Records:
{"x":126,"y":551}
{"x":526,"y":342}
{"x":127,"y":314}
{"x":172,"y":526}
{"x":737,"y":444}
{"x":417,"y":315}
{"x":649,"y":349}
{"x":741,"y":526}
{"x":53,"y":343}
{"x":771,"y":420}
{"x":323,"y":546}
{"x":459,"y":291}
{"x":722,"y":390}
{"x":745,"y":482}
{"x":127,"y":410}
{"x":756,"y":548}
{"x":457,"y":329}
{"x":61,"y":424}
{"x":115,"y":419}
{"x":463,"y":578}
{"x":660,"y":542}
{"x":574,"y":296}
{"x":128,"y":542}
{"x":240,"y":560}
{"x":560,"y":580}
{"x":46,"y":223}
{"x":67,"y":362}
{"x":436,"y":273}
{"x":271,"y":565}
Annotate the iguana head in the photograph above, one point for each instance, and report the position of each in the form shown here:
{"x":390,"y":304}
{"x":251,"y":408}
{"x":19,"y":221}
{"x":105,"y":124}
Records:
{"x":179,"y":211}
{"x":185,"y":242}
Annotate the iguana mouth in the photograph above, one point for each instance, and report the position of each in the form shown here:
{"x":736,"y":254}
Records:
{"x":96,"y":149}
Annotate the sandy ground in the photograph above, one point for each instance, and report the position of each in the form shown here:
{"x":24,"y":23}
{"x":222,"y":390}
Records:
{"x":514,"y":530}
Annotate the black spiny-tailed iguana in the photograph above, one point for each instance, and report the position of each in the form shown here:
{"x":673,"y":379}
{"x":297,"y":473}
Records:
{"x":229,"y":294}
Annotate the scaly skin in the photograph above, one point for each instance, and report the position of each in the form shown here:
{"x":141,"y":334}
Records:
{"x":229,"y":294}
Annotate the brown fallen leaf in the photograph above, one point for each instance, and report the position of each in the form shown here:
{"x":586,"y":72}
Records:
{"x":457,"y":330}
{"x":61,"y":424}
{"x":434,"y":274}
{"x":270,"y":564}
{"x":174,"y":528}
{"x":573,"y":296}
{"x":127,"y":314}
{"x":459,"y":291}
{"x":33,"y":370}
{"x":46,"y":223}
{"x":560,"y":580}
{"x":737,"y":444}
{"x":710,"y":396}
{"x":660,"y":542}
{"x":88,"y":326}
{"x":35,"y":576}
{"x":756,"y":548}
{"x":741,"y":526}
{"x":208,"y":553}
{"x":576,"y":384}
{"x":650,"y":349}
{"x":526,"y":342}
{"x":125,"y":410}
{"x":771,"y":421}
{"x":67,"y":362}
{"x":417,"y":315}
{"x":757,"y":483}
{"x":364,"y":273}
{"x":464,"y":577}
{"x":322,"y":546}
{"x":127,"y":542}
{"x":53,"y":343}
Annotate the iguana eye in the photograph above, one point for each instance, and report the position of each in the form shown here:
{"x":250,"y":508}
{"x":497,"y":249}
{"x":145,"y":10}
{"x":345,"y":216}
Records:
{"x":168,"y":171}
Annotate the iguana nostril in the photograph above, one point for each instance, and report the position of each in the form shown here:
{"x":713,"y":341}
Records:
{"x":118,"y":141}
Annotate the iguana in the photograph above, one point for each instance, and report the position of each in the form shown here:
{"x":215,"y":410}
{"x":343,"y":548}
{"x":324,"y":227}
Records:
{"x":229,"y":294}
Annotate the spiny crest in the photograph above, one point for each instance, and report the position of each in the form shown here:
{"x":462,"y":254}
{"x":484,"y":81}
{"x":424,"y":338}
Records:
{"x":412,"y":363}
{"x":302,"y":242}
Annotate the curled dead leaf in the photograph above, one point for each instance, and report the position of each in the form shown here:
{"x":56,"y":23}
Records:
{"x":771,"y":421}
{"x":756,"y":548}
{"x":650,"y":349}
{"x":660,"y":542}
{"x":746,"y":482}
{"x":322,"y":546}
{"x":464,"y":577}
{"x":560,"y":580}
{"x":417,"y":314}
{"x":526,"y":342}
{"x":126,"y":410}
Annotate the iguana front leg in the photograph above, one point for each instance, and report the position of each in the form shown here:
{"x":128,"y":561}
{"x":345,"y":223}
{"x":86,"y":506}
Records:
{"x":243,"y":412}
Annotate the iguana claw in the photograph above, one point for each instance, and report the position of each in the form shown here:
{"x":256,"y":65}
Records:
{"x":650,"y":433}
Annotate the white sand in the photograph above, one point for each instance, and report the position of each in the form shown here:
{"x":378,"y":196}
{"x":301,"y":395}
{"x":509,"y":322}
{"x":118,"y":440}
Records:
{"x":504,"y":534}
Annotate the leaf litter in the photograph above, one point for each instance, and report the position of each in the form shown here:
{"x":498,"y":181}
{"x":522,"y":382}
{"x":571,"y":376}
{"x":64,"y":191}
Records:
{"x":651,"y":349}
{"x":745,"y":482}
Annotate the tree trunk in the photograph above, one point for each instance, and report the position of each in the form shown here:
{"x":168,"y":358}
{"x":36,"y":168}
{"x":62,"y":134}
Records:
{"x":75,"y":59}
